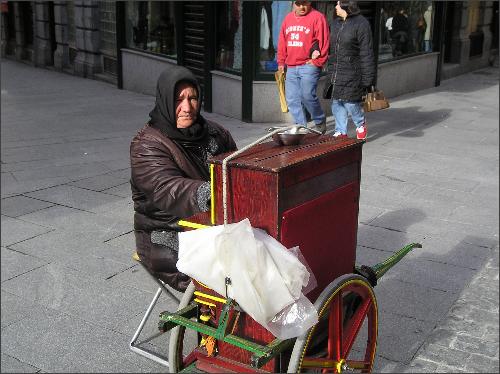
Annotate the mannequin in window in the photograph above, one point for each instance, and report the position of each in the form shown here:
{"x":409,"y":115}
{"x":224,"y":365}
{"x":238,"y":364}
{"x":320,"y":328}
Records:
{"x":428,"y":30}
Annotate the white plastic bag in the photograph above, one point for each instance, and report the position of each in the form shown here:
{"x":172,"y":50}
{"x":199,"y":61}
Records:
{"x":266,"y":279}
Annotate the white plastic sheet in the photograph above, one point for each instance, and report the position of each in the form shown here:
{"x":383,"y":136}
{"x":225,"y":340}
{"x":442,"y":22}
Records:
{"x":267,"y":280}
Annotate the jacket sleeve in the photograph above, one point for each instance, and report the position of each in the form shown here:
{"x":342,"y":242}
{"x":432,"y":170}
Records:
{"x":159,"y":176}
{"x":281,"y":54}
{"x":366,"y":54}
{"x":322,"y":35}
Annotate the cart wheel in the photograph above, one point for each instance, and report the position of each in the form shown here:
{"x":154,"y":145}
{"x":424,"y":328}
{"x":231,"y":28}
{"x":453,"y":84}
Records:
{"x":176,"y":346}
{"x":345,"y":338}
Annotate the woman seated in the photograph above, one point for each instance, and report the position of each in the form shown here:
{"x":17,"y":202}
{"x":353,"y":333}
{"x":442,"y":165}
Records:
{"x":170,"y":172}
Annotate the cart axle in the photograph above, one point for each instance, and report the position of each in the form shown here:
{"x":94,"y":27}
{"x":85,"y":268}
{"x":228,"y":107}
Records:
{"x":375,"y":272}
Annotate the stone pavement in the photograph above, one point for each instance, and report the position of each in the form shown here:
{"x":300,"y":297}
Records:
{"x":71,"y":296}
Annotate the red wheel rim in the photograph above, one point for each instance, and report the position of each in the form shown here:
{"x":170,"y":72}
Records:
{"x":343,"y":331}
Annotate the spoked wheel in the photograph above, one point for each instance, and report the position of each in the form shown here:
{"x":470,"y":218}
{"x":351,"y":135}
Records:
{"x":345,"y":338}
{"x":181,"y":343}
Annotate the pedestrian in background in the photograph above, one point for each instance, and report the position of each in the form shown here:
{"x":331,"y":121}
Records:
{"x":170,"y":172}
{"x":303,"y":28}
{"x":353,"y":67}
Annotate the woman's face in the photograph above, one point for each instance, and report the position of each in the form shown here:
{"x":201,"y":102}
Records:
{"x":340,"y":12}
{"x":186,"y":105}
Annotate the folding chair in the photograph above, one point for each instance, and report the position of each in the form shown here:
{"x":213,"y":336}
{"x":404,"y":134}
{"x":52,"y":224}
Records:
{"x":134,"y":343}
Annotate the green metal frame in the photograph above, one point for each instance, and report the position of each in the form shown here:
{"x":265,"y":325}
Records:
{"x":261,"y":353}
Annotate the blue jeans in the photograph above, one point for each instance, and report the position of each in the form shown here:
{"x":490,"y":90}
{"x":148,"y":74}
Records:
{"x":300,"y":89}
{"x":342,"y":109}
{"x":427,"y":46}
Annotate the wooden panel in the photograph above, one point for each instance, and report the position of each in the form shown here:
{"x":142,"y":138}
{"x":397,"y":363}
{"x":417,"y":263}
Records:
{"x":317,"y":186}
{"x":251,"y":194}
{"x":274,"y":158}
{"x":325,"y":229}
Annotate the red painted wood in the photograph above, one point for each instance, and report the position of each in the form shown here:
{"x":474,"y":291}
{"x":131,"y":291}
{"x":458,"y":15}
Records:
{"x":306,"y":195}
{"x":325,"y":229}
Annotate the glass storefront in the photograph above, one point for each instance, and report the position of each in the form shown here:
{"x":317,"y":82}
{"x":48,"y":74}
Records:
{"x":406,"y":28}
{"x":229,"y":36}
{"x":150,"y":26}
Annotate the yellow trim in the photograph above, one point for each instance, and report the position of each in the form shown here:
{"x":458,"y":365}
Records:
{"x":192,"y":225}
{"x":205,"y":317}
{"x":136,"y":257}
{"x":204,"y":285}
{"x":212,"y":194}
{"x":214,"y":298}
{"x":204,"y":302}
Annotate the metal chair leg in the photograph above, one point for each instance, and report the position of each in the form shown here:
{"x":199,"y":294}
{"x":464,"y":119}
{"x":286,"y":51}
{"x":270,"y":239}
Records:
{"x":134,"y":344}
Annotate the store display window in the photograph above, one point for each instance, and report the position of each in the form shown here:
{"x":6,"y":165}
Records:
{"x":406,"y":28}
{"x":229,"y":36}
{"x":150,"y":26}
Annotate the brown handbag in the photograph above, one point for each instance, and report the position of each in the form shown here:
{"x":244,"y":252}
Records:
{"x":374,"y":100}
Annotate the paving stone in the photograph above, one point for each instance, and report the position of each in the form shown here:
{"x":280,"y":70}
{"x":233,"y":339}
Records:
{"x":67,"y":290}
{"x":15,"y":230}
{"x":15,"y":263}
{"x":60,"y":217}
{"x":14,"y":308}
{"x":400,"y":337}
{"x":63,"y":245}
{"x":122,"y":190}
{"x":18,"y":205}
{"x":444,"y":355}
{"x":74,"y":197}
{"x":418,"y":366}
{"x":383,"y":238}
{"x":99,"y":183}
{"x":11,"y":364}
{"x":64,"y":343}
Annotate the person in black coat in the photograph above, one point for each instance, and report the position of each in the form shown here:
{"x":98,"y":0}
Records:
{"x":352,"y":65}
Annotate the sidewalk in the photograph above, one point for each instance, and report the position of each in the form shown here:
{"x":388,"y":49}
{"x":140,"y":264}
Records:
{"x":71,"y":295}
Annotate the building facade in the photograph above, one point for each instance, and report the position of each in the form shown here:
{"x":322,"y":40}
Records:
{"x":231,"y":45}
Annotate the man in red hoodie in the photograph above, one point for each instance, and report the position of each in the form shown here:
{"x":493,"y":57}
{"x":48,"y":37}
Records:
{"x":303,"y":45}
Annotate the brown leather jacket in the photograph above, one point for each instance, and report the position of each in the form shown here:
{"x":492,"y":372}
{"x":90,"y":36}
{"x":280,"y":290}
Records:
{"x":164,"y":181}
{"x":166,"y":187}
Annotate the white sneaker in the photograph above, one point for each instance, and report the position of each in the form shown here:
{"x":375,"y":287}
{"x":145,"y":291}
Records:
{"x":338,"y":134}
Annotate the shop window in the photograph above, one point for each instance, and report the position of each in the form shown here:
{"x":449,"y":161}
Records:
{"x":229,"y":36}
{"x":270,"y":17}
{"x":406,"y":28}
{"x":149,"y":26}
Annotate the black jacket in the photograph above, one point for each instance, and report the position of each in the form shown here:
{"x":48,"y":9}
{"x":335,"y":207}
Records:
{"x":351,"y":62}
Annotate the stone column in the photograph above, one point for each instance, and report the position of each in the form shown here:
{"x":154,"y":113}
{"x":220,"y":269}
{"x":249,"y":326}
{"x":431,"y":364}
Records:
{"x":485,"y":22}
{"x":61,"y":54}
{"x":19,"y":52}
{"x":43,"y":43}
{"x":460,"y":42}
{"x":88,"y":59}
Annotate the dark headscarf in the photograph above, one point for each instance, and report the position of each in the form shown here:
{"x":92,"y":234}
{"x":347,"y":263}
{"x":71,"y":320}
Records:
{"x":192,"y":140}
{"x":163,"y":114}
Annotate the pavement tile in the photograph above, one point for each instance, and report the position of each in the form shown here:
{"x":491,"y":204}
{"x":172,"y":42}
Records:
{"x":74,"y":197}
{"x":67,"y":290}
{"x":99,"y":183}
{"x":122,"y":190}
{"x":11,"y":364}
{"x":15,"y":230}
{"x":64,"y":245}
{"x":64,"y":343}
{"x":19,"y":205}
{"x":12,"y":187}
{"x":421,"y":303}
{"x":14,"y":308}
{"x":384,"y":239}
{"x":16,"y":263}
{"x":400,"y":337}
{"x":74,"y":220}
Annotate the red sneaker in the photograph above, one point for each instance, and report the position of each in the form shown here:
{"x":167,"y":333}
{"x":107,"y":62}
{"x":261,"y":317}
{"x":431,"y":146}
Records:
{"x":361,"y":132}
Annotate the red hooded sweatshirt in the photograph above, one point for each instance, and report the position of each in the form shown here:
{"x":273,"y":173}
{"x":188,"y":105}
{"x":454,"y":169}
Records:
{"x":297,"y":36}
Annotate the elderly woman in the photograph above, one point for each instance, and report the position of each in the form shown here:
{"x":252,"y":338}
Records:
{"x":170,"y":175}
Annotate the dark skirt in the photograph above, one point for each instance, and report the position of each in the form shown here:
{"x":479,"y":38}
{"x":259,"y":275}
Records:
{"x":160,"y":261}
